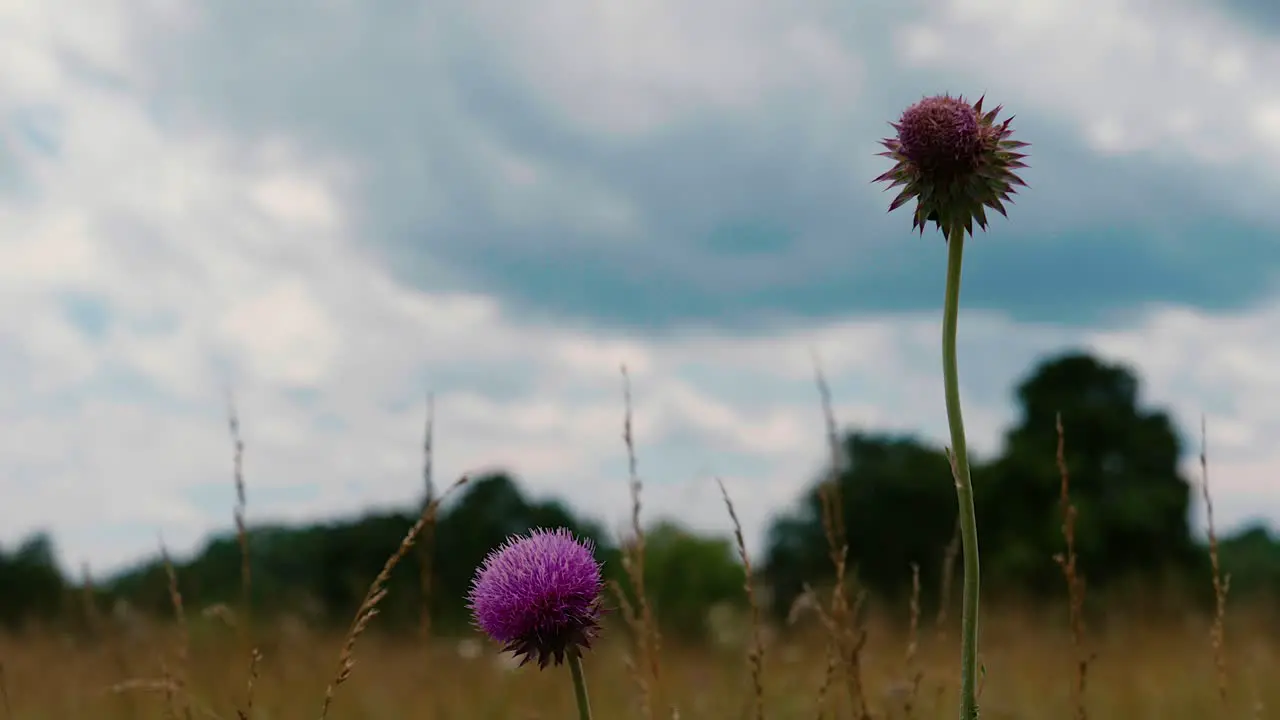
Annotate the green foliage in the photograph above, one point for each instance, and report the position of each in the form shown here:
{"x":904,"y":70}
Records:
{"x":33,"y":587}
{"x":323,"y":571}
{"x":1132,"y":503}
{"x":1252,"y":559}
{"x":686,"y":575}
{"x":900,"y":508}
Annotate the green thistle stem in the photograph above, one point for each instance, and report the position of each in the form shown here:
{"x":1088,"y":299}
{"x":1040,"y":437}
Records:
{"x":579,"y":685}
{"x":964,"y":484}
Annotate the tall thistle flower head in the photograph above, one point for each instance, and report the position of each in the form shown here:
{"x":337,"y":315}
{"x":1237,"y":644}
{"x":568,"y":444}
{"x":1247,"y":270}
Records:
{"x":539,"y":595}
{"x":954,"y":160}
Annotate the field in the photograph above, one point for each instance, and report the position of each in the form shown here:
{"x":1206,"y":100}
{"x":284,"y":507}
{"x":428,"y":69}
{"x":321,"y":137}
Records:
{"x":1150,"y":655}
{"x":1158,"y":669}
{"x":1085,"y":658}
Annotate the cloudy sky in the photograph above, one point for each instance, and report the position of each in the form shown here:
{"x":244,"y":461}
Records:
{"x":336,"y":206}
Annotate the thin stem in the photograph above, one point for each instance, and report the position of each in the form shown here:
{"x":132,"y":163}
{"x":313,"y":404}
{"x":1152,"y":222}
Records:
{"x":579,"y":685}
{"x":964,"y":484}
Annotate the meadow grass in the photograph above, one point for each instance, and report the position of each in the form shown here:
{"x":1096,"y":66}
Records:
{"x":835,"y":657}
{"x":1142,"y":667}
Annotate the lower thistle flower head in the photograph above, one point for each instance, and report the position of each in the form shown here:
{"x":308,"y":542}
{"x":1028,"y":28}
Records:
{"x":539,"y":595}
{"x":954,"y":160}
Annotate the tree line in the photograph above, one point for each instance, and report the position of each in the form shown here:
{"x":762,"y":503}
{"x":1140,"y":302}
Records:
{"x":897,"y":510}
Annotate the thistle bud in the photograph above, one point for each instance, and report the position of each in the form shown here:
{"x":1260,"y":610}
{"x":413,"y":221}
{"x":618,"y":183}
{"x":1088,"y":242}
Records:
{"x":954,"y":160}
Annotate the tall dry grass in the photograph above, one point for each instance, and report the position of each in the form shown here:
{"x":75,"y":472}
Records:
{"x":1143,"y":669}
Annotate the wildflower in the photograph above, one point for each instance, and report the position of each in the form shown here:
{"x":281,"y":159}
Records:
{"x":539,"y":595}
{"x":954,"y":160}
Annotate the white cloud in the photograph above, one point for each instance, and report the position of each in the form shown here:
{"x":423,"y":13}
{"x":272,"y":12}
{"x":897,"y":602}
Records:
{"x":223,"y":259}
{"x":1177,"y":81}
{"x":285,"y":333}
{"x":632,"y":68}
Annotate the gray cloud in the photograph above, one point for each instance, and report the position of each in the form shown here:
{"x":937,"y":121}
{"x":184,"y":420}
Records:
{"x":227,"y":209}
{"x":472,"y":177}
{"x":1263,"y":12}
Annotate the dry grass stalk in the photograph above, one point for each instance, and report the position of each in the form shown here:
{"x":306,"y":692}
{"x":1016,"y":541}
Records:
{"x":755,"y":656}
{"x":221,"y":612}
{"x":946,"y":582}
{"x":98,"y":630}
{"x":426,"y":548}
{"x":854,"y":639}
{"x":851,"y":636}
{"x":148,"y":684}
{"x":255,"y":659}
{"x":167,"y":687}
{"x":636,"y":628}
{"x":1070,"y":572}
{"x":5,"y":703}
{"x":628,"y":611}
{"x":171,"y":688}
{"x":242,"y":529}
{"x":1258,"y":706}
{"x":369,"y":606}
{"x":832,"y":502}
{"x":88,"y":603}
{"x":846,"y":648}
{"x":828,"y":677}
{"x":914,"y":675}
{"x":179,"y":679}
{"x":1221,"y":584}
{"x":808,"y":600}
{"x":649,"y":639}
{"x":244,"y":623}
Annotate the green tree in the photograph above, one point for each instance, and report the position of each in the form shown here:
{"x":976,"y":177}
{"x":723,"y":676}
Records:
{"x":1122,"y":460}
{"x":33,"y":585}
{"x":899,"y":508}
{"x":1252,"y":558}
{"x":326,"y":568}
{"x":686,"y":575}
{"x":491,"y":510}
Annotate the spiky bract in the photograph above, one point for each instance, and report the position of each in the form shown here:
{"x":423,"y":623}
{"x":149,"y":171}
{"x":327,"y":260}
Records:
{"x":954,"y":160}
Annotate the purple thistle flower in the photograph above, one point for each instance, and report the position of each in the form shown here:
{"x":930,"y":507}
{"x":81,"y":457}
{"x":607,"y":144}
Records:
{"x":954,"y":160}
{"x":539,"y":595}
